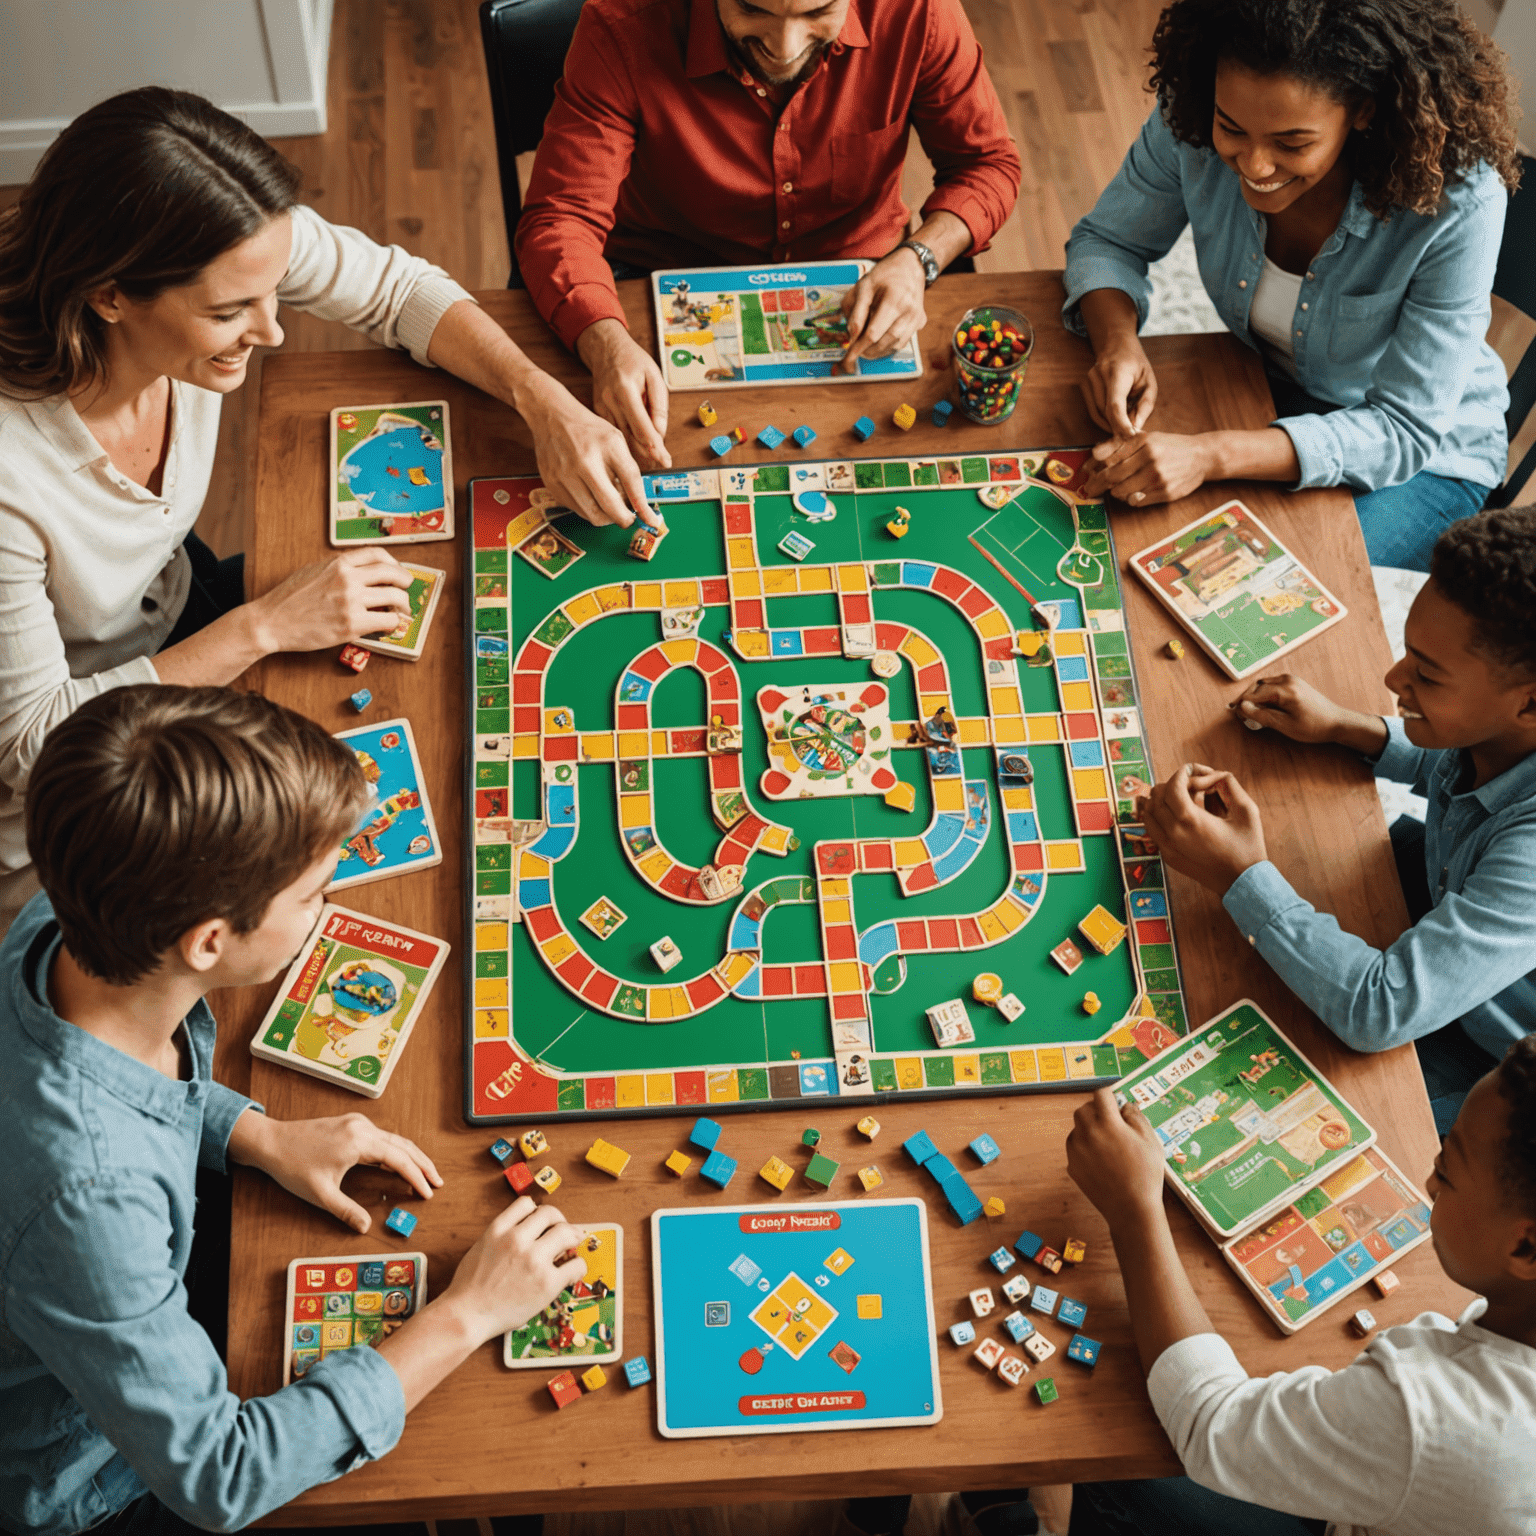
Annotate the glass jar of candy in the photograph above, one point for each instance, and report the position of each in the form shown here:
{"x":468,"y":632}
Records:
{"x":992,"y":346}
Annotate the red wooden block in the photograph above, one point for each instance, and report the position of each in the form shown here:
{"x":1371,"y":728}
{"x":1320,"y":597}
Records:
{"x":353,"y":656}
{"x":520,"y":1177}
{"x":564,"y":1390}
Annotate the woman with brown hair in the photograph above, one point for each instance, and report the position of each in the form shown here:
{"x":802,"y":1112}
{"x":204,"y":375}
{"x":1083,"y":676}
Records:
{"x":144,"y":261}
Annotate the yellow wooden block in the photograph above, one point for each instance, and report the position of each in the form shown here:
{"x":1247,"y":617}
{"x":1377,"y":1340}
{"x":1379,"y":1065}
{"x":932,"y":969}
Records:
{"x":594,"y":1378}
{"x":776,"y":1172}
{"x":868,"y":1126}
{"x":867,"y":1307}
{"x":1075,"y":1251}
{"x":708,"y":416}
{"x":1103,"y":930}
{"x":679,"y":1163}
{"x":871,"y":1177}
{"x":547,"y":1179}
{"x":902,"y":798}
{"x":608,"y":1158}
{"x":904,"y":417}
{"x":1028,"y":642}
{"x":995,"y":1206}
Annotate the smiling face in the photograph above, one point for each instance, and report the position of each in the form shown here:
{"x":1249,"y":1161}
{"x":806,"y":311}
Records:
{"x":780,"y":42}
{"x":203,"y":332}
{"x":1282,"y":136}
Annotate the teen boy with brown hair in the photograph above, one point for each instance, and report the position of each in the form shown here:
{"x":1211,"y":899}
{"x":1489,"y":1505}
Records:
{"x":183,"y":837}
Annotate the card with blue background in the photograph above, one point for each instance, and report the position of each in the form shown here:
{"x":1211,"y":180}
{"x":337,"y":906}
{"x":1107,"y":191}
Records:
{"x":396,"y":833}
{"x":391,"y":474}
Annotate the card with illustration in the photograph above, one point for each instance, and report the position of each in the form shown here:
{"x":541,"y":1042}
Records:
{"x":396,"y":833}
{"x":549,"y":552}
{"x":408,"y":637}
{"x":349,"y":1002}
{"x":585,"y":1321}
{"x":348,"y":1303}
{"x":1237,"y":589}
{"x":391,"y":474}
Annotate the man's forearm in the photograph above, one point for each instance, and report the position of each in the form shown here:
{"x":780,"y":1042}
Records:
{"x":1158,"y":1295}
{"x":946,"y":234}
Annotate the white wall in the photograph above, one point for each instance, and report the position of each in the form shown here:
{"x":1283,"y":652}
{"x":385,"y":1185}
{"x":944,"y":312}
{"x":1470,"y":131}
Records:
{"x":263,"y":60}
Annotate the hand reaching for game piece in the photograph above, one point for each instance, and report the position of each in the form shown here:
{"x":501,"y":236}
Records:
{"x":1205,"y":825}
{"x":1121,"y":389}
{"x":309,"y":1158}
{"x":1296,"y":709}
{"x":1151,"y":467}
{"x":520,"y":1263}
{"x":349,"y":597}
{"x":884,"y":308}
{"x":627,"y":389}
{"x":1115,"y":1158}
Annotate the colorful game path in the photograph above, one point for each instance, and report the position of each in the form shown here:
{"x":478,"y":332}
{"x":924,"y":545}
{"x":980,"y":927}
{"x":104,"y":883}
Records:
{"x":714,"y":747}
{"x":772,"y":1320}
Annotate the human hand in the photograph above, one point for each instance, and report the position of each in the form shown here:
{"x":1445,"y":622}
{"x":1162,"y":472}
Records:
{"x":1205,"y":825}
{"x":1296,"y":709}
{"x":584,"y":461}
{"x":627,"y":389}
{"x":1115,"y":1158}
{"x":309,"y":1158}
{"x":884,"y":308}
{"x":520,"y":1263}
{"x":1151,"y":467}
{"x":1121,"y":389}
{"x":350,"y":596}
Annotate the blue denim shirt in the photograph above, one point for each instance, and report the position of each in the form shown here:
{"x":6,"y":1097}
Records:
{"x":1471,"y":958}
{"x":1391,"y":323}
{"x":107,"y":1386}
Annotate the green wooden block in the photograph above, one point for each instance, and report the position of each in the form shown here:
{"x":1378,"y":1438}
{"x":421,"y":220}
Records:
{"x":821,"y":1170}
{"x":810,"y":1137}
{"x":1045,"y":1389}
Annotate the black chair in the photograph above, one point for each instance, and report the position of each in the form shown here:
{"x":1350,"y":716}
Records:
{"x":525,"y":43}
{"x":1514,"y":281}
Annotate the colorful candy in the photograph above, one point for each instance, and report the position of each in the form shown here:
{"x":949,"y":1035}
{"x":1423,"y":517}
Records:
{"x":992,"y":347}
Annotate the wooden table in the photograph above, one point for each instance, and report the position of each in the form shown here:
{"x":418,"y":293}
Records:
{"x":489,"y":1441}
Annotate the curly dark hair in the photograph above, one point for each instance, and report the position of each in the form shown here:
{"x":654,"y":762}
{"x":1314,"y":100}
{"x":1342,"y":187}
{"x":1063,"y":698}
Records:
{"x":1486,"y":565}
{"x":1444,"y":93}
{"x":1516,"y":1082}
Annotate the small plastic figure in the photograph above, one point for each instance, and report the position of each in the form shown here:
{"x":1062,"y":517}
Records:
{"x":1091,"y":1003}
{"x":1175,"y":648}
{"x":898,"y":525}
{"x":708,"y":416}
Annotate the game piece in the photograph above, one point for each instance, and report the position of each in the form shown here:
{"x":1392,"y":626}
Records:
{"x":705,"y":1134}
{"x":533,"y":1143}
{"x":1386,"y":1282}
{"x":718,"y":1169}
{"x":863,"y":429}
{"x":1009,"y":1006}
{"x":396,"y":832}
{"x":348,"y":1303}
{"x":1028,"y":1244}
{"x":708,"y":415}
{"x":1075,"y":1251}
{"x":721,"y":445}
{"x":816,"y":505}
{"x":1083,"y":1350}
{"x":637,"y":1371}
{"x":1017,"y":1288}
{"x":899,"y":525}
{"x":594,"y":1377}
{"x":603,"y":918}
{"x":1175,"y":648}
{"x":502,"y":1149}
{"x":1049,"y":1259}
{"x":1045,"y":1390}
{"x":963,"y":1200}
{"x":871,"y":1177}
{"x":360,"y":700}
{"x":1091,"y":1003}
{"x":1001,"y":1260}
{"x":803,"y":436}
{"x":400,"y":1222}
{"x":1039,"y":1347}
{"x":1011,"y":1369}
{"x":904,"y":416}
{"x":549,"y":551}
{"x":903,"y":797}
{"x":868,"y":1127}
{"x":869,"y":1308}
{"x":391,"y":474}
{"x":737,"y":435}
{"x":986,"y":1149}
{"x":645,"y":541}
{"x":994,"y":496}
{"x":1019,"y":1327}
{"x":564,"y":1390}
{"x":717,"y":1314}
{"x":666,"y":954}
{"x":939,"y":1167}
{"x":1067,"y":955}
{"x":1103,"y":930}
{"x":679,"y":1163}
{"x":796,"y":545}
{"x":770,"y":437}
{"x":987,"y":988}
{"x":350,"y":1001}
{"x":608,"y":1158}
{"x":1072,"y":1313}
{"x":777,"y":1173}
{"x":885,"y":664}
{"x":810,"y":1137}
{"x":353,"y":656}
{"x":963,"y":1333}
{"x":1043,"y":1300}
{"x":950,"y":1023}
{"x":520,"y":1177}
{"x":988,"y":1353}
{"x":1362,"y":1322}
{"x":547,"y":1179}
{"x":821,"y":1170}
{"x":982,"y":1301}
{"x":941,"y":412}
{"x":838,"y":1261}
{"x":995,"y":1207}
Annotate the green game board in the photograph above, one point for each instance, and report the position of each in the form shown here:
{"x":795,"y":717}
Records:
{"x":979,"y":665}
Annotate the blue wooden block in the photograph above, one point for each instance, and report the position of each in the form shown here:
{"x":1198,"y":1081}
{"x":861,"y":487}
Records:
{"x":637,"y":1371}
{"x":1002,"y":1261}
{"x":1044,"y":1300}
{"x":705,"y":1133}
{"x":804,"y":437}
{"x":963,"y":1200}
{"x":721,"y":445}
{"x":963,"y":1333}
{"x":401,"y":1222}
{"x":770,"y":437}
{"x":1073,"y":1313}
{"x":940,"y":1167}
{"x":1084,"y":1350}
{"x":941,"y":412}
{"x":360,"y":700}
{"x":920,"y":1148}
{"x":986,"y":1149}
{"x":502,"y":1149}
{"x":863,"y":429}
{"x":1028,"y":1244}
{"x":1019,"y":1327}
{"x":719,"y":1169}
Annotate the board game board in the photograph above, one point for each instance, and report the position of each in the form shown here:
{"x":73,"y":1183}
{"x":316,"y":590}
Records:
{"x":724,"y":327}
{"x":771,"y":1320}
{"x":623,"y":782}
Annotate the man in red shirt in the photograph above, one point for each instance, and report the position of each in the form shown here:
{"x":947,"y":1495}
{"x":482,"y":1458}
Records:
{"x":739,"y":132}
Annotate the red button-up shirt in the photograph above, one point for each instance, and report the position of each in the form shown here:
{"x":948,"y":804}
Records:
{"x":661,"y":152}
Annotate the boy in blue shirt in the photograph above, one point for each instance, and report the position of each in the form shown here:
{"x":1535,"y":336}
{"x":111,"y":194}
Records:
{"x":183,"y":838}
{"x":1460,"y":981}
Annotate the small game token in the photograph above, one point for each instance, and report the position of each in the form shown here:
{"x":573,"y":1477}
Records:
{"x":564,"y":1390}
{"x":899,"y":526}
{"x":904,"y":416}
{"x":718,"y":1169}
{"x":1039,"y":1347}
{"x":705,"y":1134}
{"x":721,"y":445}
{"x":885,"y":663}
{"x":1045,"y":1390}
{"x":868,"y":1127}
{"x":608,"y":1158}
{"x":777,"y":1173}
{"x":982,"y":1301}
{"x":708,"y":416}
{"x":986,"y":1149}
{"x":1017,"y":1288}
{"x":353,"y":656}
{"x":1083,"y":1350}
{"x":1175,"y":648}
{"x":796,"y":545}
{"x":400,"y":1222}
{"x":717,"y":1314}
{"x":520,"y":1177}
{"x":950,"y":1023}
{"x":901,"y":797}
{"x":502,"y":1149}
{"x":995,"y":1207}
{"x":1091,"y":1003}
{"x":863,"y":429}
{"x":533,"y":1143}
{"x":821,"y":1170}
{"x":1049,"y":1259}
{"x":810,"y":1137}
{"x":745,"y":1269}
{"x":1073,"y":1313}
{"x":637,"y":1371}
{"x":603,"y":918}
{"x":963,"y":1333}
{"x":1043,"y":1300}
{"x":1103,"y":930}
{"x":919,"y":1147}
{"x":360,"y":700}
{"x":1075,"y":1251}
{"x":871,"y":1177}
{"x":679,"y":1163}
{"x":988,"y":1353}
{"x":1001,"y":1260}
{"x":1386,"y":1282}
{"x":1009,"y":1006}
{"x":547,"y":1179}
{"x":770,"y":437}
{"x":1011,"y":1369}
{"x":816,"y":505}
{"x":737,"y":435}
{"x":870,"y":1308}
{"x":941,"y":412}
{"x":666,"y":954}
{"x":994,"y":496}
{"x":1028,"y":1244}
{"x":839,"y":1261}
{"x":1018,"y":1327}
{"x":1067,"y":955}
{"x":987,"y":988}
{"x":1362,"y":1322}
{"x":803,"y":436}
{"x":594,"y":1378}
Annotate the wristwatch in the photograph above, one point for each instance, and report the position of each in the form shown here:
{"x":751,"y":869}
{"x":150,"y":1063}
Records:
{"x":924,"y":255}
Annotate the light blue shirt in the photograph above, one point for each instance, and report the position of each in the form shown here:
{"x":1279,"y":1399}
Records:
{"x":1391,"y":323}
{"x":108,"y":1388}
{"x":1471,"y":958}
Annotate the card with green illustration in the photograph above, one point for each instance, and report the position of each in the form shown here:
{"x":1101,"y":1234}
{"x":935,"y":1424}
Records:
{"x":585,"y":1321}
{"x":410,"y":634}
{"x":391,"y":474}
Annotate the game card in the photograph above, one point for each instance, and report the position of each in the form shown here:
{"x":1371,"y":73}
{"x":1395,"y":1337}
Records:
{"x":408,"y":637}
{"x":349,"y":1002}
{"x":391,"y":474}
{"x":397,"y":833}
{"x":584,"y":1322}
{"x":347,"y":1303}
{"x":1237,"y":589}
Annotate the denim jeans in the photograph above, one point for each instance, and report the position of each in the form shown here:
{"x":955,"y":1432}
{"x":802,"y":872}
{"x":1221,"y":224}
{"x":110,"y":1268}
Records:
{"x":218,"y":587}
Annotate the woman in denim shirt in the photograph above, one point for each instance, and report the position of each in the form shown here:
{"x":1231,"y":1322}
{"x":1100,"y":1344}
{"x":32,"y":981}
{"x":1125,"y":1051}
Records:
{"x":1343,"y":164}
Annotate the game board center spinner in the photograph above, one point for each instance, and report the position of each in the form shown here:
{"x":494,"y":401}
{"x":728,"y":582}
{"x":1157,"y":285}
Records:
{"x":738,"y":821}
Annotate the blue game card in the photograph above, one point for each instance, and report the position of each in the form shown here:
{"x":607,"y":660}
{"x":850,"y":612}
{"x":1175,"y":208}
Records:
{"x":396,"y":833}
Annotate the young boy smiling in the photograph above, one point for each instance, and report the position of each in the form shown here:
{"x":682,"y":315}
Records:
{"x":1466,"y":738}
{"x":183,"y":837}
